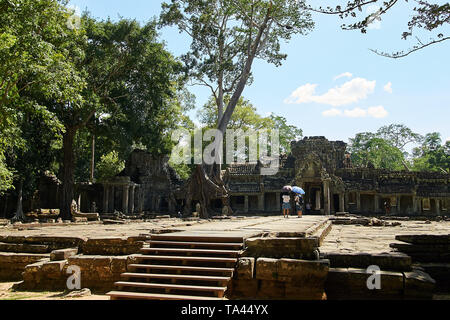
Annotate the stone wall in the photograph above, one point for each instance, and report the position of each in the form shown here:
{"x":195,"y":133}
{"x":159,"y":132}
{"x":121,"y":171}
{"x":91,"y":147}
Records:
{"x":266,"y":278}
{"x":98,"y":273}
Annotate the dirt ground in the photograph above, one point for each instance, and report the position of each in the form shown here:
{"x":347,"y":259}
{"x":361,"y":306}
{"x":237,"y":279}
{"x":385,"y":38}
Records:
{"x":7,"y":293}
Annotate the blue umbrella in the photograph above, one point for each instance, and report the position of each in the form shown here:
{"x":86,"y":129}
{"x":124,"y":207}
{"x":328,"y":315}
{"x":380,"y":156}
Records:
{"x":298,"y":190}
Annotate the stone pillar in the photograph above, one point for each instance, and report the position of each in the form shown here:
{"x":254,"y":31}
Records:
{"x":326,"y":197}
{"x":105,"y":198}
{"x":358,"y":202}
{"x":419,"y":206}
{"x":346,"y":207}
{"x":261,"y":202}
{"x":399,"y":205}
{"x":438,"y":206}
{"x":342,"y":202}
{"x":318,"y":204}
{"x":111,"y":199}
{"x":415,"y":205}
{"x":377,"y":203}
{"x":140,"y":199}
{"x":278,"y":202}
{"x":246,"y":204}
{"x":125,"y":199}
{"x":131,"y":200}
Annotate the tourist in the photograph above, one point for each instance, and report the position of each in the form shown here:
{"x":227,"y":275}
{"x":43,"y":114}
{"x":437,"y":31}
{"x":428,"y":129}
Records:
{"x":286,"y":205}
{"x":308,"y":208}
{"x":387,"y":207}
{"x":299,"y":206}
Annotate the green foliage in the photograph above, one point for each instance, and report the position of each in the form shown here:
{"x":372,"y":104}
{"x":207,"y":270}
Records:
{"x":226,"y":38}
{"x":6,"y":176}
{"x":288,"y":133}
{"x":109,"y":166}
{"x":432,"y":155}
{"x":368,"y":149}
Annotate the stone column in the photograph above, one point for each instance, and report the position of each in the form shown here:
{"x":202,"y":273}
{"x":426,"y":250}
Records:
{"x":111,"y":199}
{"x":131,"y":200}
{"x":278,"y":202}
{"x":125,"y":199}
{"x":341,"y":202}
{"x":346,"y":207}
{"x":377,"y":203}
{"x":261,"y":202}
{"x":246,"y":204}
{"x":358,"y":202}
{"x":326,"y":197}
{"x":105,"y":198}
{"x":140,"y":199}
{"x":398,"y":205}
{"x":419,"y":206}
{"x":438,"y":206}
{"x":415,"y":205}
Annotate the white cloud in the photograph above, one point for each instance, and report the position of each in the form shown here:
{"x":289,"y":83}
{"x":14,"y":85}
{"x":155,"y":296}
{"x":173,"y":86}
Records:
{"x":448,"y":139}
{"x":355,"y":113}
{"x":332,"y":113}
{"x":388,"y":87}
{"x":377,"y":112}
{"x":343,"y":75}
{"x":373,"y":112}
{"x":350,"y":92}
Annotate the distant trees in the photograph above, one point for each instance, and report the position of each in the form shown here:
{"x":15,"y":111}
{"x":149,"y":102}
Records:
{"x":385,"y":149}
{"x":63,"y":86}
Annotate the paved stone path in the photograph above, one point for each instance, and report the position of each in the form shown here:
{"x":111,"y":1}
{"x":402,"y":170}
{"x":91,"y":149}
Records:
{"x":352,"y":239}
{"x":246,"y":226}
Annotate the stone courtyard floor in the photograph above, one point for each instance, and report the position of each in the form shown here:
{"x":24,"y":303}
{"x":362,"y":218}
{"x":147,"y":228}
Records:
{"x":342,"y":238}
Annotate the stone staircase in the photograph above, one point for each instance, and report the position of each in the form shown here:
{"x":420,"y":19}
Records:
{"x":180,"y":267}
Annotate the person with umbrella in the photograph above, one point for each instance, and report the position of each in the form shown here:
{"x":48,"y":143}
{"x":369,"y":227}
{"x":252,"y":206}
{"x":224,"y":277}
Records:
{"x":298,"y":200}
{"x":286,"y":201}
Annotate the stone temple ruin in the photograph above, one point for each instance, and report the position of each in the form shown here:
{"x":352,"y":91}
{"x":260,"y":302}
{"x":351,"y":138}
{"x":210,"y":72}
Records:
{"x":321,"y":167}
{"x":142,"y":249}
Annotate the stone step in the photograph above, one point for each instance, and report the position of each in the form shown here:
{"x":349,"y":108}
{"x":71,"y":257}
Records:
{"x":24,"y":248}
{"x":182,"y":268}
{"x":232,"y":253}
{"x":217,"y":290}
{"x":196,"y":244}
{"x":186,"y":258}
{"x":196,"y":238}
{"x":117,"y":295}
{"x":175,"y":277}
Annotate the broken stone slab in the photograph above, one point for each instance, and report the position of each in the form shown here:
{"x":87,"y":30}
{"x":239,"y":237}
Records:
{"x":418,"y":285}
{"x":440,"y":272}
{"x":413,"y":248}
{"x":427,"y":239}
{"x":352,"y":283}
{"x":386,"y":261}
{"x":79,"y":293}
{"x":53,"y":269}
{"x":245,"y":268}
{"x":112,"y":246}
{"x":63,"y":254}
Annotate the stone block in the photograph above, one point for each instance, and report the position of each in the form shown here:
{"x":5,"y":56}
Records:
{"x":63,"y":254}
{"x":243,"y":289}
{"x":424,"y":239}
{"x":245,"y":268}
{"x":303,"y":273}
{"x":267,"y":269}
{"x":271,"y":289}
{"x":53,"y":269}
{"x":418,"y":285}
{"x":395,"y":262}
{"x":297,"y":248}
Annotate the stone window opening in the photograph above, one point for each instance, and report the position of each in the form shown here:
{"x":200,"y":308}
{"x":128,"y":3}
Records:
{"x":352,"y":198}
{"x":426,"y":205}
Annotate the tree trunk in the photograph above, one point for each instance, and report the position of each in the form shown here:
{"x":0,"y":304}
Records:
{"x":19,"y":216}
{"x":93,"y":159}
{"x":68,"y":180}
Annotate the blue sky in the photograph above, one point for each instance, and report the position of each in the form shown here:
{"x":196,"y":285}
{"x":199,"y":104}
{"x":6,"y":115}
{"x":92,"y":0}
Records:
{"x":331,"y":83}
